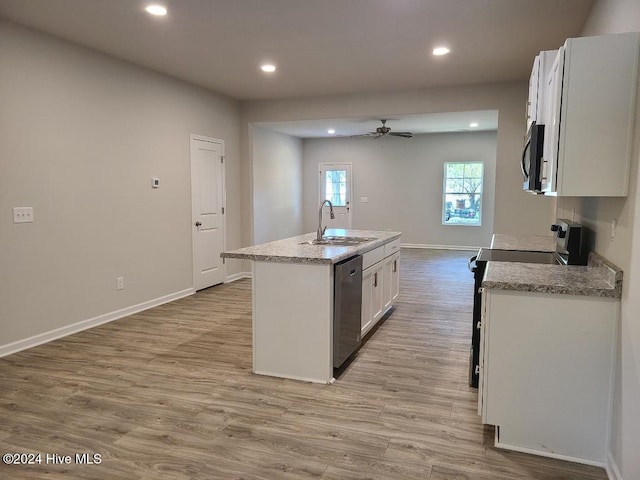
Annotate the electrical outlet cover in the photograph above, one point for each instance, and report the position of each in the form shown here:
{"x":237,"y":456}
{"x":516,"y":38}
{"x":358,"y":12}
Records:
{"x":22,"y":214}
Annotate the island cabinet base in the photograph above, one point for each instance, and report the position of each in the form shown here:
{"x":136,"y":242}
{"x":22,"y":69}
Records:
{"x":292,"y":320}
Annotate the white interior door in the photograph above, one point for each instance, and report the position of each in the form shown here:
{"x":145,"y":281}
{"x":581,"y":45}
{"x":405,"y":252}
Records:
{"x":335,"y":186}
{"x":207,"y":207}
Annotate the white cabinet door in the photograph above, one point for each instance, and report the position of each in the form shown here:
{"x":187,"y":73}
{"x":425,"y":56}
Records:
{"x":482,"y":385}
{"x":367,"y":294}
{"x":395,"y":278}
{"x":536,"y":103}
{"x":532,"y":102}
{"x":377,"y":299}
{"x":552,"y":114}
{"x":391,"y":280}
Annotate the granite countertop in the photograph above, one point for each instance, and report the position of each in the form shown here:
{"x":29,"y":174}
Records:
{"x":533,"y":243}
{"x":599,"y":278}
{"x":289,"y":250}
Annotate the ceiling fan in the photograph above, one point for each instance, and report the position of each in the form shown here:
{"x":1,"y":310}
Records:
{"x":384,"y":131}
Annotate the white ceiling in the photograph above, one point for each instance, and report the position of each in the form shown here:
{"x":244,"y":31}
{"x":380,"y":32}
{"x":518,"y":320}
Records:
{"x":416,"y":124}
{"x":321,"y":47}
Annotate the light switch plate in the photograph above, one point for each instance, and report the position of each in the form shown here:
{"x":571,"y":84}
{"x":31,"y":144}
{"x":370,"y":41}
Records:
{"x":22,"y":214}
{"x":364,"y":199}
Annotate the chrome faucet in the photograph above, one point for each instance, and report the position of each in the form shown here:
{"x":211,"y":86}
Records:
{"x":320,"y":229}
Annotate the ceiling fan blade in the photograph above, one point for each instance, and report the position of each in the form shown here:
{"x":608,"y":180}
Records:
{"x":402,"y":134}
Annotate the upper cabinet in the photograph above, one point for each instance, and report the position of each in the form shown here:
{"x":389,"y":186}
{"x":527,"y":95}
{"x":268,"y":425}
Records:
{"x":536,"y":100}
{"x":589,"y":108}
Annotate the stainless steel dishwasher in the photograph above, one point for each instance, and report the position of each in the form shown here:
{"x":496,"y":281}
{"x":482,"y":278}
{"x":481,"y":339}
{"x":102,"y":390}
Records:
{"x":347,"y":308}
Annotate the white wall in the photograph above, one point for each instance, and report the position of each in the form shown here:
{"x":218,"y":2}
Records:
{"x":618,"y":16}
{"x":81,"y":136}
{"x":277,"y":184}
{"x":402,"y":179}
{"x":515,"y":211}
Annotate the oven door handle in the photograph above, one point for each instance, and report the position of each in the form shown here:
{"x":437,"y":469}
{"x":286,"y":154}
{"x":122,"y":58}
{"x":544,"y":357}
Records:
{"x":471,"y":260}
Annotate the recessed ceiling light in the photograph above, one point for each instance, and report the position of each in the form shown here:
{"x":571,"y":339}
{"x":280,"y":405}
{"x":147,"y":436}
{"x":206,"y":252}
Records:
{"x":157,"y":10}
{"x":473,"y":124}
{"x":438,"y":51}
{"x":268,"y":68}
{"x":331,"y":131}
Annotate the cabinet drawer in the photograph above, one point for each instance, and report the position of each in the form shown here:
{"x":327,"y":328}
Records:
{"x":373,"y":256}
{"x":391,"y":247}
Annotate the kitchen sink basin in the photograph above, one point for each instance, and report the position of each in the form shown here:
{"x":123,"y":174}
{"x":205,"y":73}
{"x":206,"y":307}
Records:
{"x":338,"y":241}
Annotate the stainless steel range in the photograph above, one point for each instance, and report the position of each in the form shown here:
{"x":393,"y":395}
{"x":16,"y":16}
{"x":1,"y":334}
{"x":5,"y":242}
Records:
{"x":571,"y":249}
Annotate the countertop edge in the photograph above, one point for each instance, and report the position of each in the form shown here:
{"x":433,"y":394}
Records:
{"x":278,"y":259}
{"x":555,"y":289}
{"x":313,"y":260}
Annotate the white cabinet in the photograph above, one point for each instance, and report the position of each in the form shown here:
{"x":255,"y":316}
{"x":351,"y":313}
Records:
{"x":553,"y":87}
{"x":589,"y":113}
{"x":366,"y":319}
{"x":391,"y":279}
{"x":372,"y":297}
{"x":546,"y":366}
{"x":537,"y":83}
{"x":377,"y":301}
{"x":484,"y":330}
{"x":380,"y":283}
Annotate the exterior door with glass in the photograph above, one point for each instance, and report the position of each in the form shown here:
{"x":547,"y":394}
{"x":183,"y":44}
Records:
{"x":335,"y":186}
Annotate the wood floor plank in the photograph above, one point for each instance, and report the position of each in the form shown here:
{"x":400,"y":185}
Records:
{"x":378,"y":471}
{"x":227,"y":463}
{"x":168,"y":394}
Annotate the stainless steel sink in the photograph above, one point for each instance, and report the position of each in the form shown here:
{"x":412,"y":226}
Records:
{"x":338,"y":241}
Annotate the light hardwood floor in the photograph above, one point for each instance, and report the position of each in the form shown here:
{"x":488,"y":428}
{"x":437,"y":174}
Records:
{"x":169,"y":393}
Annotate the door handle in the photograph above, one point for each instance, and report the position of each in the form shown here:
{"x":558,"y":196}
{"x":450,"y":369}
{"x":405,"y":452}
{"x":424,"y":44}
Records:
{"x":198,"y":224}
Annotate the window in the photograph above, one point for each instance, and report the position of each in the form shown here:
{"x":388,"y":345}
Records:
{"x":335,"y":184}
{"x":462,"y":193}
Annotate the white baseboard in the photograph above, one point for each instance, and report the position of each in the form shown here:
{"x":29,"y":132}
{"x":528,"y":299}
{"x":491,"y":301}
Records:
{"x":293,"y":377}
{"x":89,"y":323}
{"x":439,"y":247}
{"x":613,"y":472}
{"x":237,"y":276}
{"x":542,"y":453}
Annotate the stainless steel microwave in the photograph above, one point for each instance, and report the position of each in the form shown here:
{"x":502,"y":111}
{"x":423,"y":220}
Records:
{"x":532,"y":158}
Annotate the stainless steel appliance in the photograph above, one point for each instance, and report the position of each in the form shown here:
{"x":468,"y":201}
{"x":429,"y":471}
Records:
{"x":347,"y":308}
{"x":571,"y":249}
{"x":532,"y":158}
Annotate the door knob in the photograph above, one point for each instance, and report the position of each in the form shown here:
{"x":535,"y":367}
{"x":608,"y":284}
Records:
{"x":198,"y":224}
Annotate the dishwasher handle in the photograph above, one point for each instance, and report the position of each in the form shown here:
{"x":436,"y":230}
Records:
{"x":472,"y":260}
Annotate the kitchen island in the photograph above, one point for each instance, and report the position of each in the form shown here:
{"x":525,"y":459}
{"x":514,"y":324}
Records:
{"x":293,"y":295}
